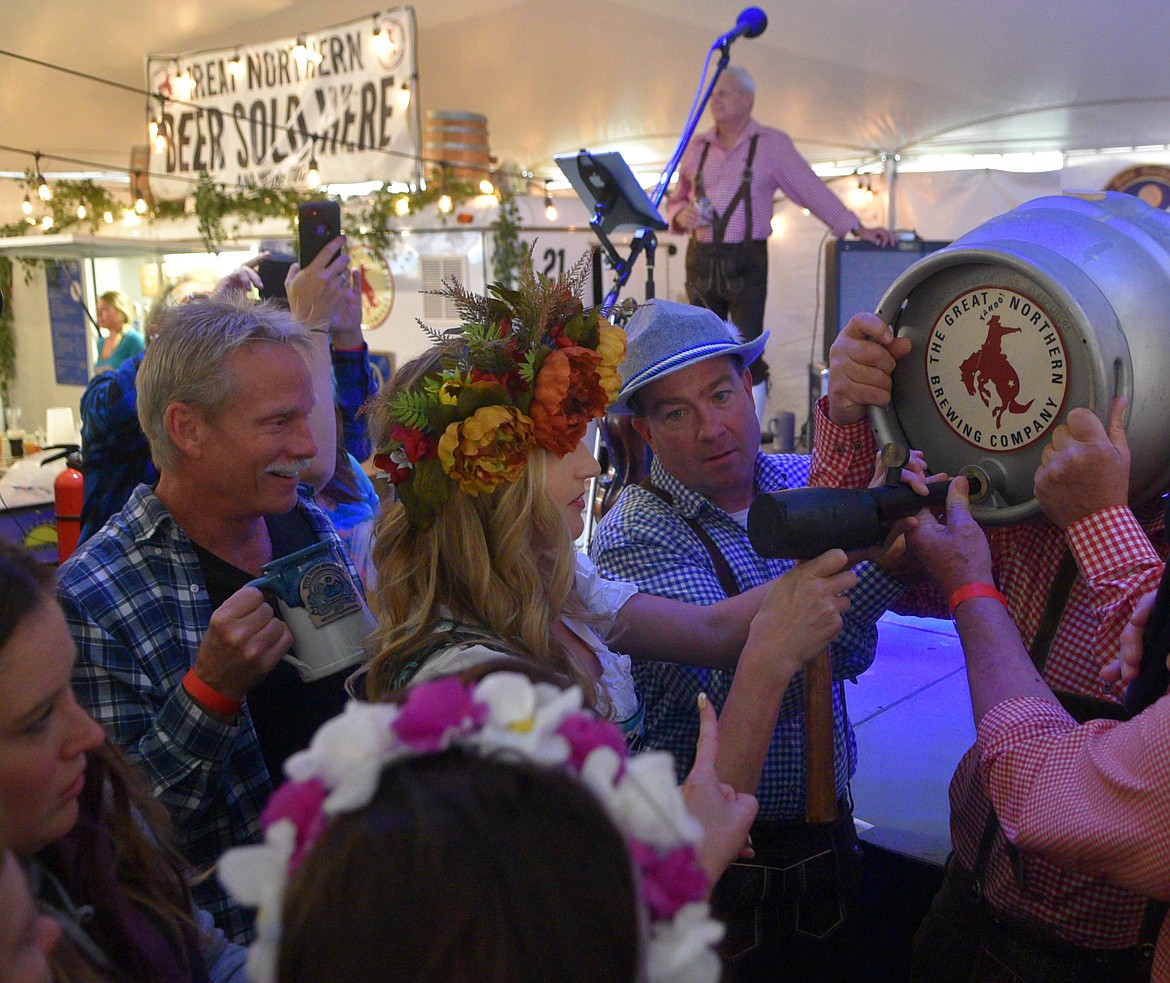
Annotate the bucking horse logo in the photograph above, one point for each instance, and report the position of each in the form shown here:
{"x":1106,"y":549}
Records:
{"x":989,"y":367}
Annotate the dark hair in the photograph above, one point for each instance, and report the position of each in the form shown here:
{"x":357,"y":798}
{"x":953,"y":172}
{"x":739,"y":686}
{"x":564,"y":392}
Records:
{"x":24,"y":584}
{"x":117,"y":857}
{"x":466,"y":869}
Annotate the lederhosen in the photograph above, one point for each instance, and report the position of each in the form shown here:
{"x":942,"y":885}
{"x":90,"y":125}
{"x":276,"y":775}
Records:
{"x":731,"y":278}
{"x":1014,"y":948}
{"x":804,"y":876}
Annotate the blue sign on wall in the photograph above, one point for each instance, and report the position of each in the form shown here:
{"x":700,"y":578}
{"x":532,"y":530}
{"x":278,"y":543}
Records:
{"x":67,"y":326}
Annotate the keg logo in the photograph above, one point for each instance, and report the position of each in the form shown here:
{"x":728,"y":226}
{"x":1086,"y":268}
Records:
{"x":997,"y":369}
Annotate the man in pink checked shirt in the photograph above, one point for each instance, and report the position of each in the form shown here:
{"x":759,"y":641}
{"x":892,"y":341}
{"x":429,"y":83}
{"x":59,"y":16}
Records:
{"x":1005,"y":915}
{"x":723,"y":200}
{"x":1093,"y":798}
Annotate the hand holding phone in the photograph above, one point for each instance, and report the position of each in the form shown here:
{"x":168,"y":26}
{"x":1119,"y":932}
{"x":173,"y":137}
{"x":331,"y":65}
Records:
{"x":318,"y":223}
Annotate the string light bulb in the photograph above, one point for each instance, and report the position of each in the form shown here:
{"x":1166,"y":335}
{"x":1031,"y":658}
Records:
{"x":236,"y":66}
{"x":182,"y":85}
{"x":446,"y":202}
{"x":26,"y":205}
{"x":402,"y":206}
{"x":486,"y":187}
{"x":313,"y":178}
{"x":81,"y":212}
{"x":108,"y":218}
{"x":44,"y":192}
{"x":300,"y":51}
{"x":47,"y":222}
{"x":381,"y":38}
{"x":550,"y":210}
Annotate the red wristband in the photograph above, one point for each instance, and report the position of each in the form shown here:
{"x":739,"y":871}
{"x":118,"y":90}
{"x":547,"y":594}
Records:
{"x":213,"y":699}
{"x":968,"y":591}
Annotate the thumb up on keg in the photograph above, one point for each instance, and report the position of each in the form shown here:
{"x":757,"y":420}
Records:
{"x":1086,"y":466}
{"x":861,"y":368}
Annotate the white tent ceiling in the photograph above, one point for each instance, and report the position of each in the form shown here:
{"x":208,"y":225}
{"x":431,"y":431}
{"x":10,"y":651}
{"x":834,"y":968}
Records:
{"x":847,"y":79}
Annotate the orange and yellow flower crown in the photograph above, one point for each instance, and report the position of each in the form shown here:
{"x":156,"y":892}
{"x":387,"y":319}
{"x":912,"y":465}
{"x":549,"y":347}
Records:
{"x":529,"y":367}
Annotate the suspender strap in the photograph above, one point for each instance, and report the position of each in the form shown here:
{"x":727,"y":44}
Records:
{"x":1079,"y":705}
{"x":722,"y":568}
{"x":1066,"y":574}
{"x":743,"y":193}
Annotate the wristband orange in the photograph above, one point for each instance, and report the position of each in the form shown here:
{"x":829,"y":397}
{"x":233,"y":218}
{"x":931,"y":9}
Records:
{"x":968,"y":591}
{"x":213,"y":699}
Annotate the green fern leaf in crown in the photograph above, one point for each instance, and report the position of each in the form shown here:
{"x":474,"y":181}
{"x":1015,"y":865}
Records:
{"x":410,"y":409}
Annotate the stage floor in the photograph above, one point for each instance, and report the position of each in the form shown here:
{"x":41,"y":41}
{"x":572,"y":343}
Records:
{"x":913,"y":721}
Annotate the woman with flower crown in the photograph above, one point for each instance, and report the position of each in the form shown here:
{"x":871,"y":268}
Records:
{"x":481,"y":438}
{"x":488,"y":829}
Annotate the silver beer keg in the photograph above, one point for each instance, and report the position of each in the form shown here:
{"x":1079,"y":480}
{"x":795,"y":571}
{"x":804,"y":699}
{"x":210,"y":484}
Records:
{"x":1061,"y":302}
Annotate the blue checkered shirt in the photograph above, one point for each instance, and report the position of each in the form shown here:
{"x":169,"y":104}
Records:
{"x":646,"y":541}
{"x":137,"y":606}
{"x":353,"y":384}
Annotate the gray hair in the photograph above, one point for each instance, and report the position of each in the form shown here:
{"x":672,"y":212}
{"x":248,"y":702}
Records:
{"x":187,"y":362}
{"x":742,"y":78}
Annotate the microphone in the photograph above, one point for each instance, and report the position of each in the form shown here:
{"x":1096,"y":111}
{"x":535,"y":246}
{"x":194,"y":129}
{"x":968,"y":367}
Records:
{"x":750,"y":23}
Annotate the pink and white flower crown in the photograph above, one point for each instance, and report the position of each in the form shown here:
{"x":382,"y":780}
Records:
{"x":504,"y":712}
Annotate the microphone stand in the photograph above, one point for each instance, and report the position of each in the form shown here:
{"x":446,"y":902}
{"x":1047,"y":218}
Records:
{"x":645,"y":239}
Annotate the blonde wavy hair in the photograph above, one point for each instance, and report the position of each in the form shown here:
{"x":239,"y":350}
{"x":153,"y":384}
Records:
{"x":500,"y":565}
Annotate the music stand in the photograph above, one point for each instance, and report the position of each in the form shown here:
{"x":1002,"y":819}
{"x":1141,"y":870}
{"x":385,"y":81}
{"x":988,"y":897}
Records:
{"x":608,"y":187}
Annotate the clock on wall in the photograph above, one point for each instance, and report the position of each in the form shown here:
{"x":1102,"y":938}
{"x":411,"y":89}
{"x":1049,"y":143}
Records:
{"x":377,"y":285}
{"x":1149,"y":182}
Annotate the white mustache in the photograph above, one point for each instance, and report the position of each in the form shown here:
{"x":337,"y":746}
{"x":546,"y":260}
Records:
{"x":290,"y":469}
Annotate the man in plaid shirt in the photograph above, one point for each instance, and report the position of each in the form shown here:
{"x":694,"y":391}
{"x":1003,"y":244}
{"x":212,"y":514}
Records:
{"x":686,"y":381}
{"x":1032,"y":920}
{"x":179,"y":659}
{"x":114,"y":450}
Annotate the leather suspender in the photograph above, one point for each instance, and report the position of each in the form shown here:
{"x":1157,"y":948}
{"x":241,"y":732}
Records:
{"x":722,"y":568}
{"x":743,"y":193}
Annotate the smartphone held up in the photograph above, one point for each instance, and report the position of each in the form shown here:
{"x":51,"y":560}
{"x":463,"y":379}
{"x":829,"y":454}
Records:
{"x":318,"y":223}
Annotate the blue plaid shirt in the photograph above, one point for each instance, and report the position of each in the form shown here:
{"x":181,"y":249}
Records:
{"x":137,"y":606}
{"x":644,"y":540}
{"x":353,"y":384}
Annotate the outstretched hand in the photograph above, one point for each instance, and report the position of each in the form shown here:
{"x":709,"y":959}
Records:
{"x":318,"y":292}
{"x":1124,"y":669}
{"x":956,"y":553}
{"x":242,"y":279}
{"x":725,"y":814}
{"x":861,"y":368}
{"x":803,"y":611}
{"x":1085,"y":468}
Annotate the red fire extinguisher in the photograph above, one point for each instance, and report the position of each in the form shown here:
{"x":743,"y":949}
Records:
{"x":68,"y":497}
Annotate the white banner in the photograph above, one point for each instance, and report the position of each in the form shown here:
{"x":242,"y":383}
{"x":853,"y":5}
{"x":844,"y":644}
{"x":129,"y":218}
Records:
{"x":249,"y":115}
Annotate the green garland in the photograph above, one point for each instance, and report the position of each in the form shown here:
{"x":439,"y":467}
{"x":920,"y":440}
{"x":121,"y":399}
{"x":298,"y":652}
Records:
{"x":508,"y":252}
{"x":221,"y":213}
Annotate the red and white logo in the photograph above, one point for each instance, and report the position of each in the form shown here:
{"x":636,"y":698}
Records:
{"x":997,"y":368}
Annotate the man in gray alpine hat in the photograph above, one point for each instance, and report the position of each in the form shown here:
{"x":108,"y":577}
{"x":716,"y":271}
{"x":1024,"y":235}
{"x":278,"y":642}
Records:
{"x":682,"y":534}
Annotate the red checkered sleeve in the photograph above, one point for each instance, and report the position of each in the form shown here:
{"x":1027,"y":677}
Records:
{"x":842,"y":457}
{"x":1094,"y":798}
